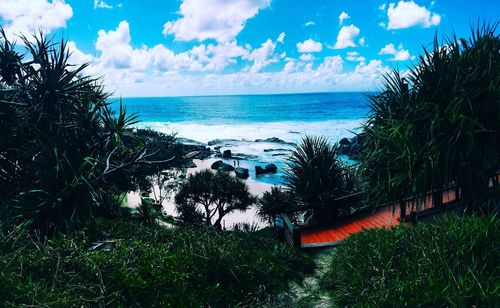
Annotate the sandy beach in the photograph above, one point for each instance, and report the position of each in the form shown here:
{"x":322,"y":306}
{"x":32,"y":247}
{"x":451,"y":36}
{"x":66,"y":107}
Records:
{"x":249,"y":216}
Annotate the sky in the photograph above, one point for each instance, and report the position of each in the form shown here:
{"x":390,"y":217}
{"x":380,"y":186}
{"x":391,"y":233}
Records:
{"x":218,"y":47}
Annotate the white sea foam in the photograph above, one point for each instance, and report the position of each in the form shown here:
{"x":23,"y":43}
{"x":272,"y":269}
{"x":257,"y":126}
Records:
{"x":287,"y":131}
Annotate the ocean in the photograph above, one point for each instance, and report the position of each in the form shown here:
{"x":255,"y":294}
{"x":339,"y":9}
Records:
{"x":238,"y":120}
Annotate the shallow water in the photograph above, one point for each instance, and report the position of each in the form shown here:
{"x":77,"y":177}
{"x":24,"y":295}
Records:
{"x":240,"y":120}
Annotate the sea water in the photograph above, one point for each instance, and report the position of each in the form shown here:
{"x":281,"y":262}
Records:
{"x":238,"y":120}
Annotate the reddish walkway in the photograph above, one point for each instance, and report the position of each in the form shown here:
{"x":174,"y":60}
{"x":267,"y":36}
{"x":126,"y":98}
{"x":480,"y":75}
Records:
{"x":380,"y":219}
{"x":384,"y":217}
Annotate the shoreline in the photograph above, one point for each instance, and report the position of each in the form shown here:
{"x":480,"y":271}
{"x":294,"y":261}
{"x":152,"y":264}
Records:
{"x":249,"y":216}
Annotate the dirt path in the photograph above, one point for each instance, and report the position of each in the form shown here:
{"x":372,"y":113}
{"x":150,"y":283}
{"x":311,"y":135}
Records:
{"x":308,"y":294}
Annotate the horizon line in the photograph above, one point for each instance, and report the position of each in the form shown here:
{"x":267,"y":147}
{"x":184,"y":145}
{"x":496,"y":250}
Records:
{"x":247,"y":94}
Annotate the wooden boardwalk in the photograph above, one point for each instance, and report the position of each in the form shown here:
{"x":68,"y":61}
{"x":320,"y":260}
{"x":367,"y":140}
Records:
{"x":383,"y":217}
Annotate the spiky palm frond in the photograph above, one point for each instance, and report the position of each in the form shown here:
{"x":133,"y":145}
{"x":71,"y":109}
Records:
{"x":314,"y":171}
{"x":443,"y":127}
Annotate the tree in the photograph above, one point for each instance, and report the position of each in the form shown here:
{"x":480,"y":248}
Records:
{"x":209,"y":196}
{"x":62,"y":147}
{"x":274,"y":202}
{"x":439,"y":125}
{"x":316,"y":176}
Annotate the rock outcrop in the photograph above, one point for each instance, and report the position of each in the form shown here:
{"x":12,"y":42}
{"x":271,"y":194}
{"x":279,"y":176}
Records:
{"x":271,"y":168}
{"x":259,"y":170}
{"x":226,"y":154}
{"x":351,"y":146}
{"x":242,"y":173}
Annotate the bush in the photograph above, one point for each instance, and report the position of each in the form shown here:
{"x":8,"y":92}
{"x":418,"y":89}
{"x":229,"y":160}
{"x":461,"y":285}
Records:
{"x":274,"y":202}
{"x":207,"y":197}
{"x":316,"y":176}
{"x":451,"y":263}
{"x":149,"y":266}
{"x":438,"y":124}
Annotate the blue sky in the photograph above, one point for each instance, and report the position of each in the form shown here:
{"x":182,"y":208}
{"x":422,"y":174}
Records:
{"x":206,"y":47}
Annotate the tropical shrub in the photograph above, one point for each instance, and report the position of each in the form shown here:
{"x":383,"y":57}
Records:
{"x":145,"y":266}
{"x":450,"y":263}
{"x":207,"y":196}
{"x":274,"y":202}
{"x":438,"y":125}
{"x":64,"y":154}
{"x":316,"y":176}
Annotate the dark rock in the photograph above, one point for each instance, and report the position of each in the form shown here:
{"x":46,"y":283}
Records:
{"x":275,"y":150}
{"x":225,"y":167}
{"x":352,"y":146}
{"x":345,"y":141}
{"x":194,"y":151}
{"x":216,"y":164}
{"x":242,"y":173}
{"x":279,"y":154}
{"x":273,"y":140}
{"x":241,"y":156}
{"x":271,"y":168}
{"x":188,"y":141}
{"x":221,"y":141}
{"x":226,"y":154}
{"x":259,"y":170}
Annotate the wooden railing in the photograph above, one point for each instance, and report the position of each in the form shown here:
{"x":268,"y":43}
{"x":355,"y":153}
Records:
{"x":408,"y":207}
{"x":291,"y":232}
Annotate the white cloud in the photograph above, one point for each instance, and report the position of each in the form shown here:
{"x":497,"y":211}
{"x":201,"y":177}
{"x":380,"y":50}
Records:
{"x":100,"y":4}
{"x":290,"y":66}
{"x":308,"y":46}
{"x":306,"y":57}
{"x":343,"y":16}
{"x":28,"y":16}
{"x":309,"y":23}
{"x":331,"y":65}
{"x":295,"y":76}
{"x":409,"y":14}
{"x":159,"y":71}
{"x":382,"y":6}
{"x":374,"y":67}
{"x":281,"y":37}
{"x":354,"y":56}
{"x":117,"y":52}
{"x":164,"y":59}
{"x":264,"y":55}
{"x":346,"y":37}
{"x":400,"y":54}
{"x":221,"y":20}
{"x":216,"y":57}
{"x":77,"y":57}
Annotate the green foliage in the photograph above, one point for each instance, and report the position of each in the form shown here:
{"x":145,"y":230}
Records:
{"x":209,"y":196}
{"x":453,"y":263}
{"x":149,"y":266}
{"x":65,"y":156}
{"x":150,"y":211}
{"x":58,"y":139}
{"x":274,"y":202}
{"x":440,"y":124}
{"x":316,"y":176}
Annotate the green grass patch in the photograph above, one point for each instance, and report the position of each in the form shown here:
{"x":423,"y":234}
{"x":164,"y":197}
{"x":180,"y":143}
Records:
{"x":149,"y":266}
{"x":454,"y":262}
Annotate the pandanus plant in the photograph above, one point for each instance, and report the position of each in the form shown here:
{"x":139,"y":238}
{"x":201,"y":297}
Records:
{"x":59,"y":140}
{"x":316,"y":176}
{"x":438,"y":125}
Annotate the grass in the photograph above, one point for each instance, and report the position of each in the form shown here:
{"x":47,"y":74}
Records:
{"x":453,"y":262}
{"x":149,"y":266}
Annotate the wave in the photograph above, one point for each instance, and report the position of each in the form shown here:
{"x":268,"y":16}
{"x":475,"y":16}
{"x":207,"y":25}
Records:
{"x":290,"y":131}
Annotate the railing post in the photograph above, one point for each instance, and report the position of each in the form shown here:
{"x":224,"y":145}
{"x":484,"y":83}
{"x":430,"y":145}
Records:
{"x":296,"y":237}
{"x":402,"y":210}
